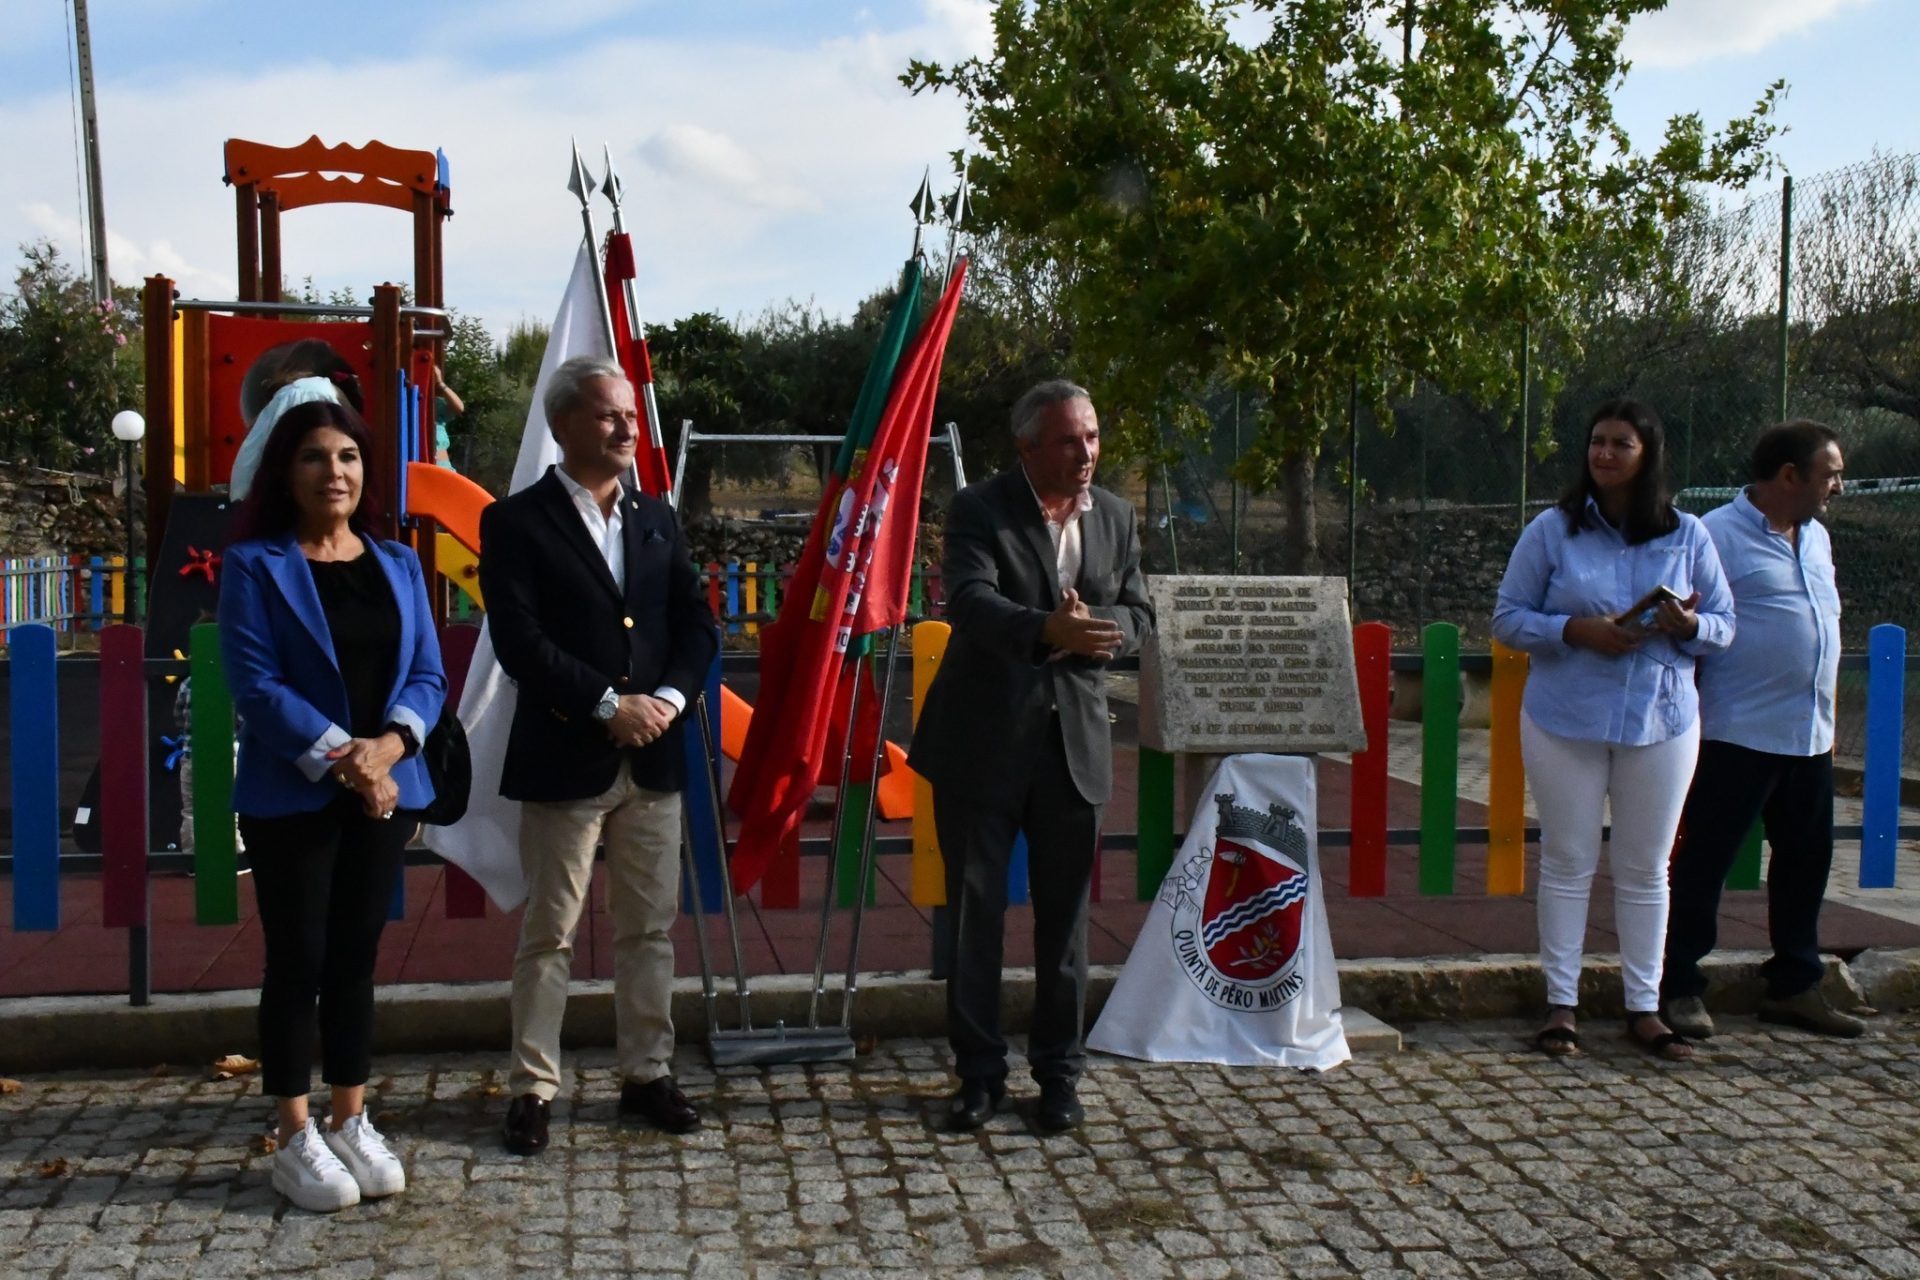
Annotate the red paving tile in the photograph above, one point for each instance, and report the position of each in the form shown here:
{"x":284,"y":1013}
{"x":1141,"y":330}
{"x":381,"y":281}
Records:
{"x":426,"y":946}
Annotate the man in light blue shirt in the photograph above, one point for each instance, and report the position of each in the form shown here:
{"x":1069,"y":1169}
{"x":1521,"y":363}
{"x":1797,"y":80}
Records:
{"x":1766,"y":728}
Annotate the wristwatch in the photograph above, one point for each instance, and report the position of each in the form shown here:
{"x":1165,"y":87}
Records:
{"x":409,"y":745}
{"x":608,"y":705}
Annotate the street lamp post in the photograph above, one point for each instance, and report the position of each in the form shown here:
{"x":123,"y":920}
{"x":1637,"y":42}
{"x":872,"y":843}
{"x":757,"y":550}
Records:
{"x":129,"y":428}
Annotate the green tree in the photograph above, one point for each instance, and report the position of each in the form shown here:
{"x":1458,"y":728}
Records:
{"x":67,"y":365}
{"x":699,"y":375}
{"x":1379,"y":190}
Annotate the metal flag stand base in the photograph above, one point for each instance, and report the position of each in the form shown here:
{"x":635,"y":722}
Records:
{"x":748,"y":1045}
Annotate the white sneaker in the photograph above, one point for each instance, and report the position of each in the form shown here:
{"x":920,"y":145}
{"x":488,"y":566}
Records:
{"x":373,"y":1167}
{"x":307,"y":1172}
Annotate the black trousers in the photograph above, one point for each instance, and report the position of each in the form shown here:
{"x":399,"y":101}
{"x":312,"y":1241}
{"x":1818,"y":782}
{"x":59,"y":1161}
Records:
{"x":976,"y":839}
{"x":323,"y":882}
{"x":1793,"y":798}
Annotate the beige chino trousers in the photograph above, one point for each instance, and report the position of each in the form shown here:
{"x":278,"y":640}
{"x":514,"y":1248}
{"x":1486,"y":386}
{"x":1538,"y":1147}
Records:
{"x":641,"y":829}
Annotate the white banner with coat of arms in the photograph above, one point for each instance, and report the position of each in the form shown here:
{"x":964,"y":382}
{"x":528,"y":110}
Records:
{"x":1234,"y":964}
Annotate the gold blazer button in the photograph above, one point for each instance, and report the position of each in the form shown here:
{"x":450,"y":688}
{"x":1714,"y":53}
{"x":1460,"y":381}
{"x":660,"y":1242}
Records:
{"x":627,"y":622}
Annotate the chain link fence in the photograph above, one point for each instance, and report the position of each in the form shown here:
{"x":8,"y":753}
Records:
{"x":1421,"y":511}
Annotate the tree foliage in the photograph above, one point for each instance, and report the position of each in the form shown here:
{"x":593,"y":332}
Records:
{"x":67,"y":365}
{"x":1286,"y":199}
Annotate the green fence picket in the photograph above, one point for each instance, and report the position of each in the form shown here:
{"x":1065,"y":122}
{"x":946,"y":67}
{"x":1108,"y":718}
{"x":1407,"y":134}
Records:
{"x":1439,"y":755}
{"x":1745,"y":872}
{"x":216,"y":889}
{"x":1154,"y":851}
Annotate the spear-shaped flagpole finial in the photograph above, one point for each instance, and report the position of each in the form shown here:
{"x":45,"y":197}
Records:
{"x":580,"y":180}
{"x":581,"y":183}
{"x":923,"y":207}
{"x":958,"y":207}
{"x":612,"y":188}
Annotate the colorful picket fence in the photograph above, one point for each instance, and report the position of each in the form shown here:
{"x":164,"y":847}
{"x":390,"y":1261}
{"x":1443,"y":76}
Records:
{"x":124,"y":676}
{"x":68,"y":593}
{"x":746,"y":595}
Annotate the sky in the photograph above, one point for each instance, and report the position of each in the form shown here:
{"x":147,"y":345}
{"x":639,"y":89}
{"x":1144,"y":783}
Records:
{"x":767,"y":147}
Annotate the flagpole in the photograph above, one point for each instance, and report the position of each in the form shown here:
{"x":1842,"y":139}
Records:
{"x":924,"y":208}
{"x":615,"y":191}
{"x":852,"y":984}
{"x":958,"y":207}
{"x":833,"y":849}
{"x":581,"y":183}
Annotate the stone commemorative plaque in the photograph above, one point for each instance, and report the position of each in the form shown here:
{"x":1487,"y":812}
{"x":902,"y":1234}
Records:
{"x":1249,"y":664}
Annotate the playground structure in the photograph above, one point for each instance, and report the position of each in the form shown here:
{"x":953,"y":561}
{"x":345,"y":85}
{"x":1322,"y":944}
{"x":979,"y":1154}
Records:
{"x":198,"y":351}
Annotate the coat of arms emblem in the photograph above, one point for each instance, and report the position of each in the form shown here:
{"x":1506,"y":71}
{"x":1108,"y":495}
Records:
{"x":1238,"y":907}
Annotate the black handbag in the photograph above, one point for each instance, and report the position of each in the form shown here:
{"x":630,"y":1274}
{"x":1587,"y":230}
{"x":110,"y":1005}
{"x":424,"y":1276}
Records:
{"x":450,"y":769}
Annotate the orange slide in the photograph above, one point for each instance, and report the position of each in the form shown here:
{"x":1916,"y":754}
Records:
{"x":455,"y":503}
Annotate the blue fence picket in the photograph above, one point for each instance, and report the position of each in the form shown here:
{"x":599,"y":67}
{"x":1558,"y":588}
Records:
{"x":1017,"y":871}
{"x":733,"y":596}
{"x":698,"y":800}
{"x":96,"y":593}
{"x":1886,"y":701}
{"x":36,"y":780}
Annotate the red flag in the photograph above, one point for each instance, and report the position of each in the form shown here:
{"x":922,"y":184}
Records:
{"x":630,"y":344}
{"x":855,"y":569}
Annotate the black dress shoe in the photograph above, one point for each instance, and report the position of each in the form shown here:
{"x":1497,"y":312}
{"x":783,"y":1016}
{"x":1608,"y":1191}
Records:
{"x":663,"y":1104}
{"x":1059,"y":1108}
{"x":526,"y":1128}
{"x":974,"y":1104}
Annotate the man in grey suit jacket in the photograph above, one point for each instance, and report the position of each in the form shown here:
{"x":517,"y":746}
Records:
{"x":1042,"y":574}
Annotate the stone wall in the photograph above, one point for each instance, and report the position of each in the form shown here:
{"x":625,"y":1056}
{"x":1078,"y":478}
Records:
{"x":59,"y":513}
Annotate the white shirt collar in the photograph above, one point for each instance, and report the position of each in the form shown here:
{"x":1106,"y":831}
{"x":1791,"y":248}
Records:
{"x":1082,"y":501}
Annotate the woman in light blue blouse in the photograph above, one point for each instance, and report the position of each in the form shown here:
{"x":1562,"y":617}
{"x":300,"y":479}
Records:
{"x":1609,"y":713}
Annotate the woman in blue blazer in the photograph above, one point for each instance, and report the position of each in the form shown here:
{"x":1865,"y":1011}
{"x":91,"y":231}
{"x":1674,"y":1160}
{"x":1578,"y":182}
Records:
{"x":331,"y":654}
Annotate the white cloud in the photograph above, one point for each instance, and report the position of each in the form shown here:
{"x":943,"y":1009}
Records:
{"x":1691,"y":31}
{"x":755,"y":172}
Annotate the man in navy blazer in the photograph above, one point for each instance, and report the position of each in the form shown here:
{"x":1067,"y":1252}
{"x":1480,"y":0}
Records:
{"x":597,"y":614}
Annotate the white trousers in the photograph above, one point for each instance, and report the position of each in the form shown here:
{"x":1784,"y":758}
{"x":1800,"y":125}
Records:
{"x":1572,"y":781}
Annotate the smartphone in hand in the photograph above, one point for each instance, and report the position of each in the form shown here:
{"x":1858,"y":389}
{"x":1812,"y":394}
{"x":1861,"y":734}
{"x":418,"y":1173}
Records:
{"x":1645,"y":611}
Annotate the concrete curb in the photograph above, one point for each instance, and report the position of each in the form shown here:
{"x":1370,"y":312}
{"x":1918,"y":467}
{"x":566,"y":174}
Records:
{"x":54,"y":1033}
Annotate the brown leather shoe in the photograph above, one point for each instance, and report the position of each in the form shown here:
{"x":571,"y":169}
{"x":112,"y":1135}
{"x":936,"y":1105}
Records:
{"x":526,"y":1128}
{"x":660,"y":1102}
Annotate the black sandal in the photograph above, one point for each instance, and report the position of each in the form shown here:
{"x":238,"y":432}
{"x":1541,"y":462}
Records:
{"x":1669,"y":1046}
{"x":1558,"y":1042}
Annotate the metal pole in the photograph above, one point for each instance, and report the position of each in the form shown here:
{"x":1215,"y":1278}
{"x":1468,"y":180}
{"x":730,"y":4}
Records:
{"x":1786,"y":280}
{"x":1233,"y":491}
{"x":90,"y":132}
{"x":1173,"y":532}
{"x":690,"y":871}
{"x":127,"y":614}
{"x":709,"y":743}
{"x":1692,"y":430}
{"x":852,"y":984}
{"x":833,"y":851}
{"x":1526,"y":410}
{"x":614,"y":190}
{"x":581,"y":183}
{"x":1353,"y":494}
{"x":1420,"y":610}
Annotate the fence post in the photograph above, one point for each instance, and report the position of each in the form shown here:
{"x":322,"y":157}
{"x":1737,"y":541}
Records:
{"x":733,"y":597}
{"x":36,"y":779}
{"x":216,"y":891}
{"x":1786,"y":284}
{"x":1506,"y":777}
{"x":1367,"y":798}
{"x":124,"y":837}
{"x":1154,"y":841}
{"x":1439,"y":755}
{"x":1886,"y":701}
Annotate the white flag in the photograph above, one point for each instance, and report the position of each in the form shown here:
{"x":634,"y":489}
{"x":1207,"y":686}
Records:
{"x":485,"y":843}
{"x":1234,"y":964}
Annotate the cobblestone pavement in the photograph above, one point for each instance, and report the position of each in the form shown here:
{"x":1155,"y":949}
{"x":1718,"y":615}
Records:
{"x":1772,"y":1155}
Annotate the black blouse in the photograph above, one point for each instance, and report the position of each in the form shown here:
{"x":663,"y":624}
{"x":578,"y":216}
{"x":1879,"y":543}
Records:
{"x":364,"y":619}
